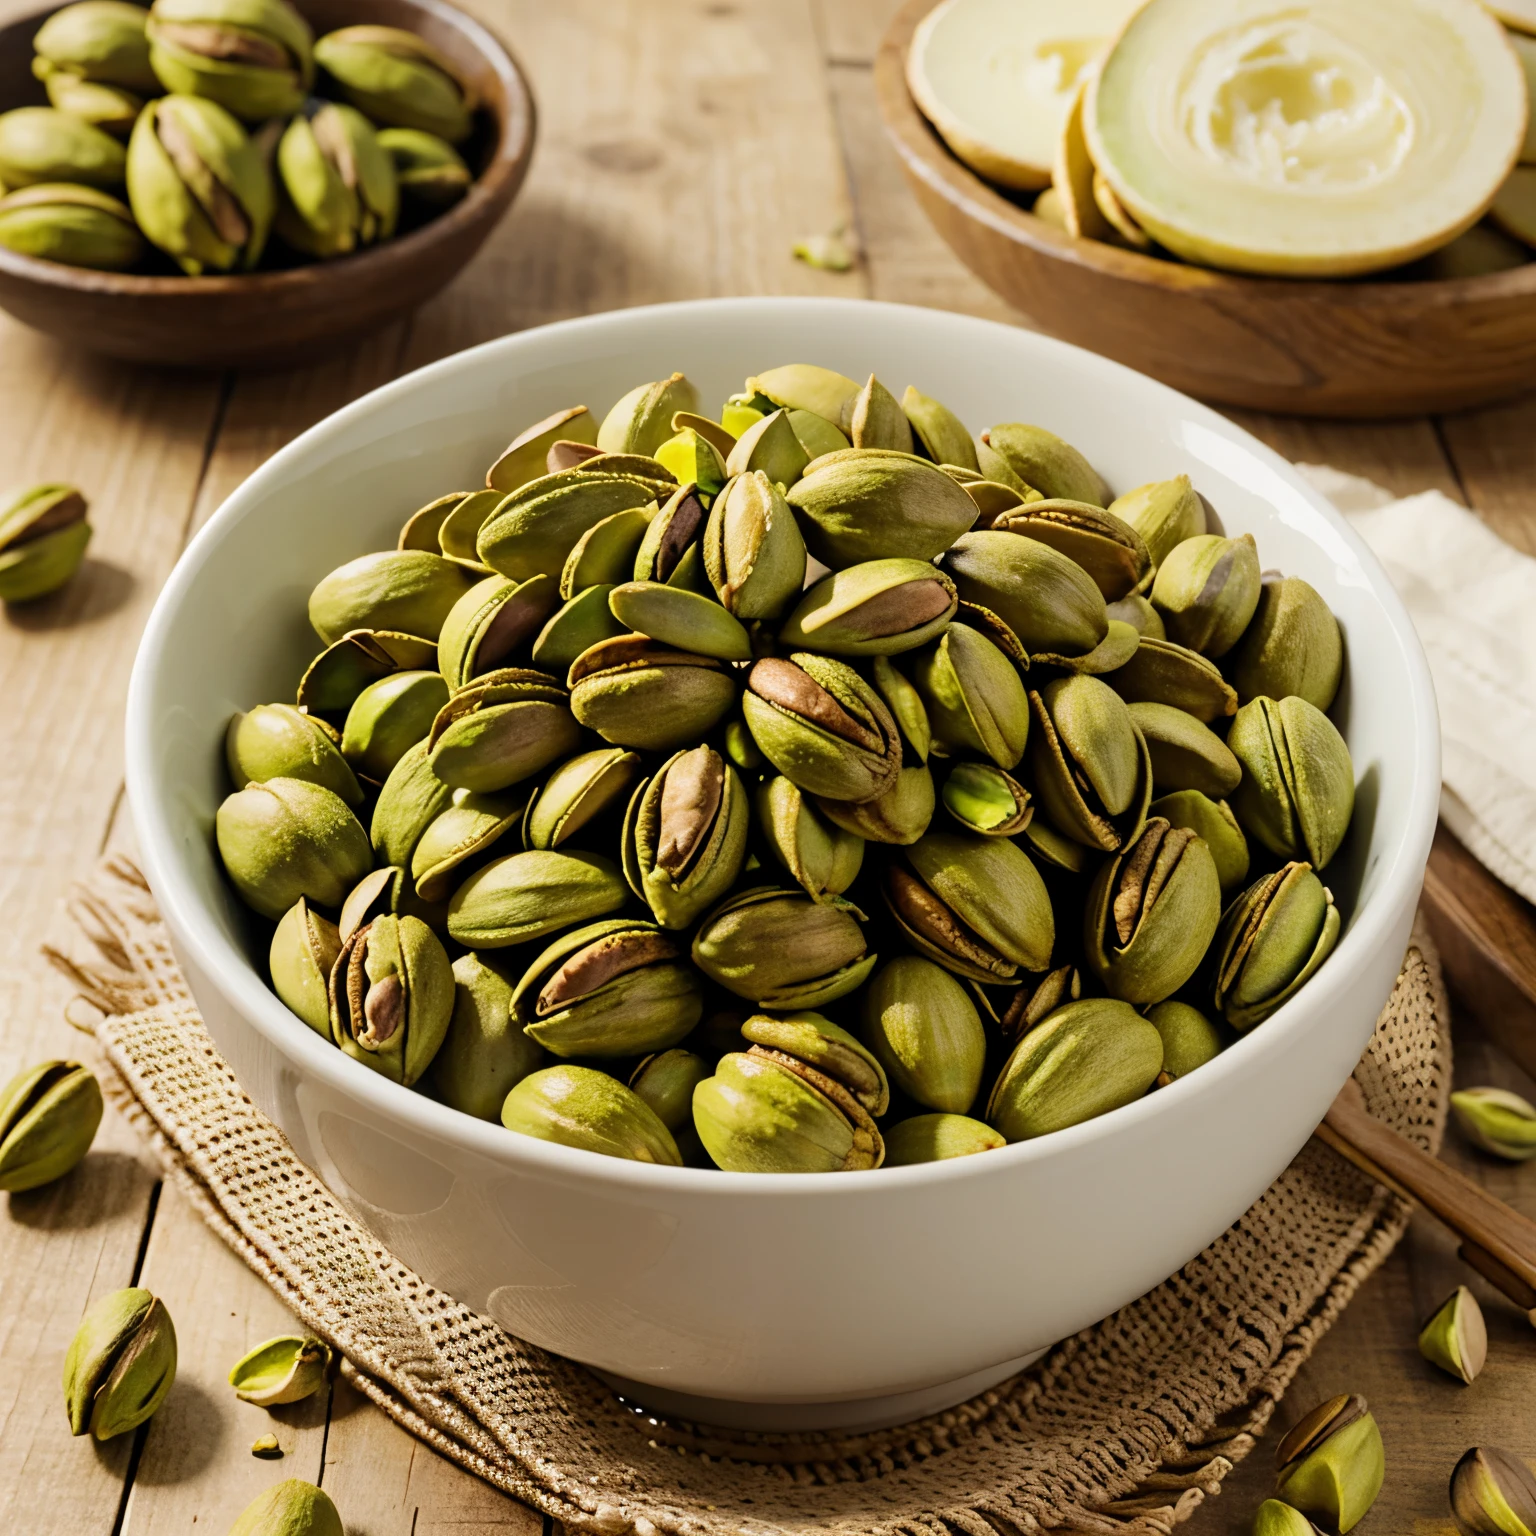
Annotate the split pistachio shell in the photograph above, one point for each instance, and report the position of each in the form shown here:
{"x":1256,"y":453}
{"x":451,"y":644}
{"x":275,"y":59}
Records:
{"x":1161,"y":672}
{"x":1292,"y":646}
{"x":287,"y":838}
{"x":1456,"y":1337}
{"x":252,"y":57}
{"x":605,"y":554}
{"x":672,"y":616}
{"x":469,"y":826}
{"x":120,"y":1364}
{"x":526,"y":457}
{"x":397,"y":79}
{"x":581,"y":788}
{"x":940,"y":434}
{"x":1332,"y":1463}
{"x":670,"y":542}
{"x":694,"y":460}
{"x":976,"y":905}
{"x":1151,"y":914}
{"x":78,"y":226}
{"x":636,"y":693}
{"x":906,"y":707}
{"x":304,"y":949}
{"x":459,"y":532}
{"x":100,"y":40}
{"x":642,"y":420}
{"x":873,"y":504}
{"x":901,"y":815}
{"x":1498,"y":1121}
{"x":286,"y":1369}
{"x":579,"y":624}
{"x":1184,"y":753}
{"x":752,"y":548}
{"x":1190,"y":1039}
{"x":1105,"y":546}
{"x":879,"y":608}
{"x":823,"y":858}
{"x":392,"y":997}
{"x":423,"y":528}
{"x":289,"y":1508}
{"x":769,"y":447}
{"x":44,"y":145}
{"x":1277,"y":1519}
{"x":1271,"y":940}
{"x":413,"y":797}
{"x":1042,"y":460}
{"x":1297,"y":793}
{"x":1136,"y":611}
{"x":485,"y":1053}
{"x":877,"y":420}
{"x":277,"y":741}
{"x":1214,"y":822}
{"x":407,"y":590}
{"x":924,"y":1029}
{"x":1206,"y":591}
{"x":43,"y":538}
{"x":1039,"y":996}
{"x":666,"y":1082}
{"x":985,"y":800}
{"x":1081,"y":1061}
{"x":526,"y":896}
{"x":808,"y":387}
{"x":1493,"y":1494}
{"x":1164,"y":513}
{"x":781,"y":950}
{"x":489,"y":623}
{"x":502,"y":728}
{"x":533,"y":529}
{"x":932,"y":1138}
{"x":973,"y":698}
{"x":386,"y":892}
{"x":337,"y":190}
{"x":431,"y":173}
{"x":334,"y":679}
{"x":581,"y":1107}
{"x":49,"y":1115}
{"x":615,"y":988}
{"x":388,"y":718}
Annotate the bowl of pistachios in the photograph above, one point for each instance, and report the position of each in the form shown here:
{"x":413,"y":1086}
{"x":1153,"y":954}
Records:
{"x":218,"y":183}
{"x":716,"y":803}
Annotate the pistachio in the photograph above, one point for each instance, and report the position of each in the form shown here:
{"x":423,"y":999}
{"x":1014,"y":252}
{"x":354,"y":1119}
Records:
{"x":334,"y":679}
{"x":864,"y":504}
{"x":1498,"y":1121}
{"x":1190,"y":1039}
{"x":974,"y":699}
{"x":782,"y":950}
{"x":384,"y":892}
{"x":526,"y":457}
{"x":413,"y":797}
{"x":304,"y":949}
{"x":807,"y":387}
{"x":1164,"y":512}
{"x":822,"y":726}
{"x":693,"y":459}
{"x":815,"y":434}
{"x":286,"y":1369}
{"x":44,"y":145}
{"x":1277,"y":1519}
{"x":879,"y":608}
{"x":108,"y":107}
{"x":642,"y":420}
{"x":48,"y":1119}
{"x":877,"y":420}
{"x":267,"y":1448}
{"x":579,"y":624}
{"x":635,"y":693}
{"x":580,"y":788}
{"x":581,"y":1107}
{"x":1214,"y":822}
{"x":1184,"y":753}
{"x":1108,"y":549}
{"x":1298,"y":782}
{"x":397,"y":79}
{"x":906,"y":707}
{"x":392,"y":997}
{"x":501,"y":729}
{"x":463,"y":831}
{"x":769,"y":447}
{"x":605,"y":554}
{"x":1292,"y":645}
{"x":1332,"y":1463}
{"x":675,"y":617}
{"x":1041,"y":459}
{"x":1136,"y":611}
{"x":974,"y":904}
{"x":1151,"y":914}
{"x":276,"y":741}
{"x":1456,"y":1338}
{"x":99,"y":40}
{"x":1271,"y":940}
{"x":388,"y":718}
{"x":901,"y":815}
{"x":1206,"y":591}
{"x":993,"y":498}
{"x":80,"y":227}
{"x":43,"y":537}
{"x":1493,"y":1494}
{"x":995,"y":468}
{"x":940,"y":434}
{"x":430,"y":172}
{"x":423,"y":528}
{"x":533,"y":529}
{"x":1089,"y":764}
{"x":485,"y":1053}
{"x":615,"y":988}
{"x":924,"y":1029}
{"x":824,"y":860}
{"x":985,"y":800}
{"x":251,"y":57}
{"x":1047,"y":600}
{"x":337,"y":190}
{"x":670,"y":543}
{"x":120,"y":1364}
{"x":1161,"y":672}
{"x":753,"y":553}
{"x":489,"y":623}
{"x":1038,"y":997}
{"x":1081,"y":1061}
{"x":666,"y":1082}
{"x":932,"y":1138}
{"x":290,"y":1508}
{"x":406,"y":590}
{"x":527,"y":896}
{"x":287,"y":838}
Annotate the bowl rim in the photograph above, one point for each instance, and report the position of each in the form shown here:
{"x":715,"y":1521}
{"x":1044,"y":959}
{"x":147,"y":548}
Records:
{"x":488,"y":193}
{"x":925,"y":154}
{"x":229,"y":968}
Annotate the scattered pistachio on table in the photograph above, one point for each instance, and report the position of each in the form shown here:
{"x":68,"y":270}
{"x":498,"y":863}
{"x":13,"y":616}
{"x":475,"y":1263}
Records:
{"x":43,"y":532}
{"x":290,"y":1508}
{"x":120,"y":1364}
{"x":1456,"y":1337}
{"x":596,"y":814}
{"x":266,"y":1448}
{"x":283,"y":1370}
{"x":1332,"y":1463}
{"x":49,"y":1115}
{"x":1496,"y":1120}
{"x":1493,"y":1494}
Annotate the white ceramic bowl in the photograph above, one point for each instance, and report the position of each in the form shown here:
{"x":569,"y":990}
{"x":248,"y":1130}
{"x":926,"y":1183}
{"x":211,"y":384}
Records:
{"x":870,"y":1295}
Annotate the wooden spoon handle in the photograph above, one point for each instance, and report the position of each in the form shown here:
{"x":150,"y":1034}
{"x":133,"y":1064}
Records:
{"x":1498,"y":1241}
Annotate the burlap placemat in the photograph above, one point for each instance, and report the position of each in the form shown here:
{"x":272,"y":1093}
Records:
{"x":1124,"y":1428}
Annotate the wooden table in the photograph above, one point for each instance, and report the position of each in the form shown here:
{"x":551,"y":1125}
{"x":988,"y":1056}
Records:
{"x":685,"y":144}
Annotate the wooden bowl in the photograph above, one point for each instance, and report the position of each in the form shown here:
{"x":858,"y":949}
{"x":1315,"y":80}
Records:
{"x":1319,"y":348}
{"x":286,"y":316}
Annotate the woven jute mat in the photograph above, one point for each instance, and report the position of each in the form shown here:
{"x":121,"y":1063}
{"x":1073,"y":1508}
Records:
{"x":1124,"y":1428}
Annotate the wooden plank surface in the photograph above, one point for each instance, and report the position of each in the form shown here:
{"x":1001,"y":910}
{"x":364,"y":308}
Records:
{"x":685,"y":144}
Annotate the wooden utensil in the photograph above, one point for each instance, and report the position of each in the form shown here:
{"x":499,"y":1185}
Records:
{"x":285,"y":316}
{"x":1320,"y":348}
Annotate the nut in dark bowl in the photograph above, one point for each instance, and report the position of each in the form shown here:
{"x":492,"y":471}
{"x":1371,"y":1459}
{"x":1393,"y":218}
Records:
{"x":233,"y":195}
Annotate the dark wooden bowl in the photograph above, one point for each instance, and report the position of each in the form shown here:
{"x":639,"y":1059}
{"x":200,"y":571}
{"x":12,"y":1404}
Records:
{"x":1318,"y":348}
{"x":286,"y":316}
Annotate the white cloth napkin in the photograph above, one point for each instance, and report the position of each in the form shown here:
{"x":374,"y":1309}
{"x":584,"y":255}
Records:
{"x":1473,"y":600}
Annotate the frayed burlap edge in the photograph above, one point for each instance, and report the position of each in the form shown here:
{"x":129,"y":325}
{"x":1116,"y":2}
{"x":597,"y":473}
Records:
{"x":1125,"y":1428}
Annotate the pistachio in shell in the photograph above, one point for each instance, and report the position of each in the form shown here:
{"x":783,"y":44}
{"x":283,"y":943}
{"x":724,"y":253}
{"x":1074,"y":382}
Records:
{"x":985,"y":800}
{"x":286,"y":1369}
{"x":290,"y":1508}
{"x":502,"y":728}
{"x":901,"y":815}
{"x":1214,"y":822}
{"x":275,"y":741}
{"x":303,"y":951}
{"x":490,"y":623}
{"x":254,"y":58}
{"x":641,"y":421}
{"x":1185,"y":754}
{"x":45,"y":145}
{"x":636,"y":693}
{"x":581,"y":788}
{"x":1190,"y":1038}
{"x":933,"y":1138}
{"x":49,"y":1115}
{"x":390,"y":716}
{"x":430,"y":172}
{"x":1493,"y":1494}
{"x":938,"y":432}
{"x":392,"y":997}
{"x":532,"y":530}
{"x":1164,"y":513}
{"x":398,"y":79}
{"x":1048,"y":463}
{"x":1160,"y":672}
{"x":1206,"y":591}
{"x":97,"y":40}
{"x":584,"y":1108}
{"x":120,"y":1364}
{"x":1292,"y":645}
{"x":78,"y":226}
{"x":753,"y":553}
{"x":337,"y":190}
{"x":405,"y":590}
{"x":1332,"y":1463}
{"x":973,"y":697}
{"x":1107,"y":548}
{"x":1497,"y":1121}
{"x":675,"y":617}
{"x":526,"y":896}
{"x":922,"y":1026}
{"x":879,"y":608}
{"x":822,"y":857}
{"x":485,"y":1053}
{"x":1456,"y":1337}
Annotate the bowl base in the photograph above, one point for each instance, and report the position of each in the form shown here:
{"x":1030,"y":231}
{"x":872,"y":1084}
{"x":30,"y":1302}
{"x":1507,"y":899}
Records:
{"x":850,"y":1415}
